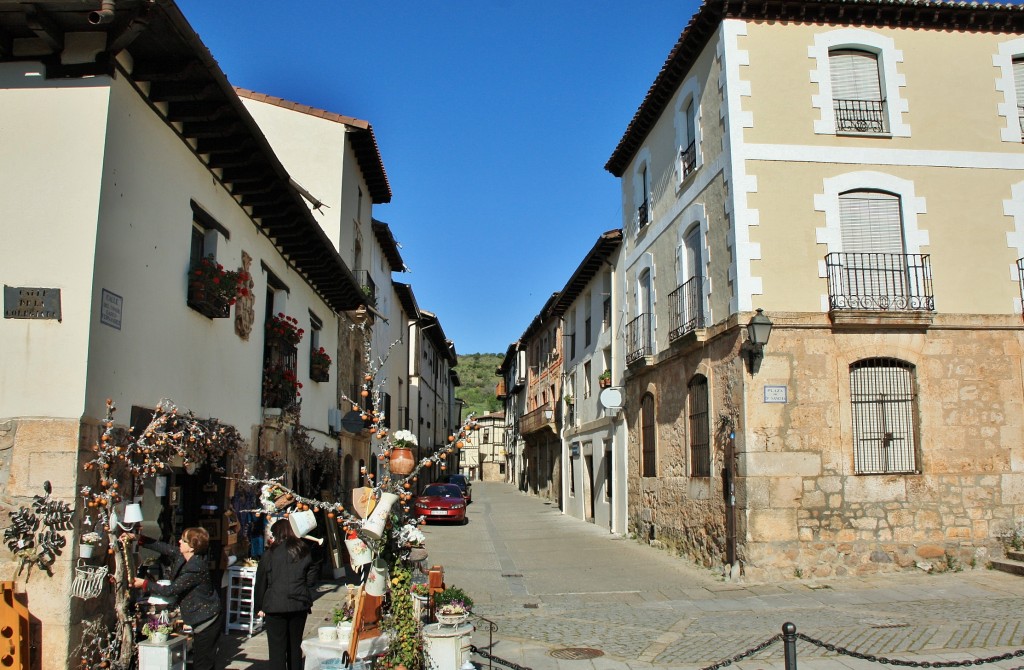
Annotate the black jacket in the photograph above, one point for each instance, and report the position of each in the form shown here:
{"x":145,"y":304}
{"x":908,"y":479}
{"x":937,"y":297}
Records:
{"x":283,"y":585}
{"x":190,"y":584}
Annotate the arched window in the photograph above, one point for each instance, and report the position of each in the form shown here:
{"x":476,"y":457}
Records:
{"x":857,"y":91}
{"x":700,"y":435}
{"x":884,"y":408}
{"x":648,"y":435}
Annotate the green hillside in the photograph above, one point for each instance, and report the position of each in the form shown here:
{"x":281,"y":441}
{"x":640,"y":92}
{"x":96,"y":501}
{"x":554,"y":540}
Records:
{"x":476,"y":372}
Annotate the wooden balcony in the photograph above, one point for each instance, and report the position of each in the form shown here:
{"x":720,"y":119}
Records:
{"x":537,"y":420}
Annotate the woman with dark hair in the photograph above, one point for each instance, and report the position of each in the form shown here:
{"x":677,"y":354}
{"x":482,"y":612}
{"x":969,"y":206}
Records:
{"x":284,"y":594}
{"x":192,"y":587}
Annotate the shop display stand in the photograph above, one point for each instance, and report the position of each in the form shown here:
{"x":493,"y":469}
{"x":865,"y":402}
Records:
{"x":240,"y":614}
{"x":167,"y":655}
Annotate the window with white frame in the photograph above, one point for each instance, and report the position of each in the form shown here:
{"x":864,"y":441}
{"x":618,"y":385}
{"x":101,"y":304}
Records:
{"x":859,"y":86}
{"x":688,"y":150}
{"x":856,"y":92}
{"x":1018,"y":84}
{"x":883,"y":401}
{"x":687,"y":129}
{"x":643,"y":210}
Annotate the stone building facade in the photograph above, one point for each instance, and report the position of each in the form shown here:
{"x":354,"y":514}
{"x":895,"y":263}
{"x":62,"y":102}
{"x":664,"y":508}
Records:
{"x":810,"y":162}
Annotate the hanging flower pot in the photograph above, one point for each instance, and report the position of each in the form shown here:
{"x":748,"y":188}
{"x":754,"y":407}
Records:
{"x":402,"y":461}
{"x":358,"y":553}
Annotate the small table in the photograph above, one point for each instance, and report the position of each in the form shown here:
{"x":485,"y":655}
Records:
{"x":169,"y":655}
{"x":322,"y":655}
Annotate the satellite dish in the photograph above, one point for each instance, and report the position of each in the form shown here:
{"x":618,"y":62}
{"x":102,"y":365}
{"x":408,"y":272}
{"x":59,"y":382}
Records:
{"x":611,"y":398}
{"x":353,"y":422}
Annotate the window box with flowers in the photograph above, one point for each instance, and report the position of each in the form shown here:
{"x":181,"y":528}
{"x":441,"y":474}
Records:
{"x":319,"y":365}
{"x":212,"y":290}
{"x":284,"y":330}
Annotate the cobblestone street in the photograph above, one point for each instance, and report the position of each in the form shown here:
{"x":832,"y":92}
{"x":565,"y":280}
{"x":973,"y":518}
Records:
{"x":551,"y":582}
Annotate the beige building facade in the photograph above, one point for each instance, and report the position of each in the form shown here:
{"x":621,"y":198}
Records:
{"x":815,"y":165}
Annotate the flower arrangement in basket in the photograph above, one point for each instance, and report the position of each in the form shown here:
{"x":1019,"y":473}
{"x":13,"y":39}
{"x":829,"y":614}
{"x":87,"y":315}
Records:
{"x":212,"y":289}
{"x":420,"y":590}
{"x":284,"y":328}
{"x":452,"y":605}
{"x":319,"y":364}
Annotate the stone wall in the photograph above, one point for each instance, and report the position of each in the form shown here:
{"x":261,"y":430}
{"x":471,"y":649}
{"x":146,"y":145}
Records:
{"x":802,"y":510}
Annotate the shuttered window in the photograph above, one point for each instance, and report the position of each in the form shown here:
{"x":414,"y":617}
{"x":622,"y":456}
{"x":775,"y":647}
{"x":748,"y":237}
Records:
{"x":647,"y":437}
{"x":874,"y":265}
{"x":1018,"y":83}
{"x":700,"y":435}
{"x":870,"y":221}
{"x":857,"y":91}
{"x":884,"y":403}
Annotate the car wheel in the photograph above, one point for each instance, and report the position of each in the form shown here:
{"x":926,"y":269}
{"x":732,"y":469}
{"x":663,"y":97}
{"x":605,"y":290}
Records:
{"x":464,"y":521}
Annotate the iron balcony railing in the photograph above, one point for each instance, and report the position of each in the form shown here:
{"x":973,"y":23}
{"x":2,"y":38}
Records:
{"x":1020,"y":278}
{"x":880,"y":282}
{"x":1020,"y":117}
{"x":368,"y":285}
{"x":687,"y":304}
{"x":642,"y":214}
{"x":689,"y":158}
{"x":860,"y":116}
{"x":639,"y":338}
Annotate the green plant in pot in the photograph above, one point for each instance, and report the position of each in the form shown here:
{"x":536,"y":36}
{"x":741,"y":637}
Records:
{"x":405,"y":649}
{"x":452,"y":600}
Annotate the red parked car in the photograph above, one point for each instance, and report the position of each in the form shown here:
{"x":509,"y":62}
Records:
{"x":441,"y":502}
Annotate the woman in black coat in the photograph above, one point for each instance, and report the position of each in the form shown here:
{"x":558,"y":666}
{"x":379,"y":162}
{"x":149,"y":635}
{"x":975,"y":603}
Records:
{"x":284,"y":594}
{"x":191,"y":586}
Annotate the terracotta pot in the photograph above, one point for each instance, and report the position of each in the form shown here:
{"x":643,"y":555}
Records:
{"x":402,"y":461}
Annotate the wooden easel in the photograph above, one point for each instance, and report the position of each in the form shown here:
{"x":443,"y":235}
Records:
{"x":365,"y":620}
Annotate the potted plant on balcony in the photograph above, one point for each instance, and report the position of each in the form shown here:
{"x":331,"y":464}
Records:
{"x":319,"y":365}
{"x":605,"y":379}
{"x":212,"y":289}
{"x":280,"y":386}
{"x":284,"y":329}
{"x":569,"y":400}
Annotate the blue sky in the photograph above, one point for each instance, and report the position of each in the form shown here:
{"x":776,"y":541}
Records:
{"x":494,"y":120}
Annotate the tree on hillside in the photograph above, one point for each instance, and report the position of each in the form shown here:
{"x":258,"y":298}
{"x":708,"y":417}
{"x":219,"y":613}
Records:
{"x":477,"y":372}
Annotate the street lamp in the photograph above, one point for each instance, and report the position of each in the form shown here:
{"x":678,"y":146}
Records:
{"x":759,"y":329}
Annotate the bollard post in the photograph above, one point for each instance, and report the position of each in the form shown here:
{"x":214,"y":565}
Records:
{"x":789,"y":644}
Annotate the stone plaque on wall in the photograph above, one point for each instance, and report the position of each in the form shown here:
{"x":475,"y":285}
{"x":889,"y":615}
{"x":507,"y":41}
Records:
{"x":25,"y":302}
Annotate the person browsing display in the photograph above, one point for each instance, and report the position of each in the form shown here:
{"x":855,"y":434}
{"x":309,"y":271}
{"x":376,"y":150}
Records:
{"x":192,"y":587}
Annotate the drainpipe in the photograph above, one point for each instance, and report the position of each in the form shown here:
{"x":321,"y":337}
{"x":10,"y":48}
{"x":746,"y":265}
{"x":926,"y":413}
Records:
{"x":105,"y":14}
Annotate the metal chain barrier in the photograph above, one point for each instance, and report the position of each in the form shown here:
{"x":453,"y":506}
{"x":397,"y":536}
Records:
{"x":789,"y":637}
{"x":913,"y":664}
{"x":500,"y":661}
{"x":749,"y":652}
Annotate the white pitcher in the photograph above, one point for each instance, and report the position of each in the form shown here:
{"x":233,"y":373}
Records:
{"x":373,"y":526}
{"x":377,"y":578}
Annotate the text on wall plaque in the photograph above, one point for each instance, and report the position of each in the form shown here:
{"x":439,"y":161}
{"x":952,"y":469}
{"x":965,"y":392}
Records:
{"x":26,"y":302}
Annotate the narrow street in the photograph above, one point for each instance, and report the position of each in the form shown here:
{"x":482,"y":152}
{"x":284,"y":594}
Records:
{"x":551,"y":582}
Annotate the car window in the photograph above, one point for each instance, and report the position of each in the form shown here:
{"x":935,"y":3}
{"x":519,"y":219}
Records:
{"x":442,"y":490}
